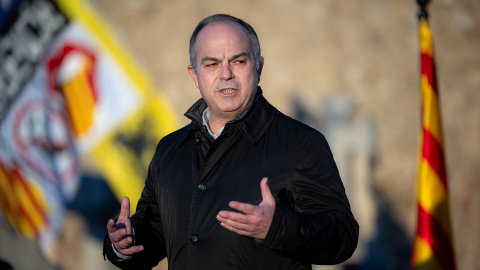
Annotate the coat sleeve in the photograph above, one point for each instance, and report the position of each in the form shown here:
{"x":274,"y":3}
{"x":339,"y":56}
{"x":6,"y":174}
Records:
{"x":148,"y":229}
{"x":318,"y":227}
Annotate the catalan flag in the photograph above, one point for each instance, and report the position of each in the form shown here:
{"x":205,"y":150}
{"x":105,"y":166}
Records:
{"x":25,"y":206}
{"x":433,"y":243}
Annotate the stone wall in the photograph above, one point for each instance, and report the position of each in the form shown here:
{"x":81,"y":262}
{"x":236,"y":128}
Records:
{"x":365,"y":50}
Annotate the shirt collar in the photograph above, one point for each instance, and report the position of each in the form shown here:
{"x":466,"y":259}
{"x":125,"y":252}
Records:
{"x":205,"y":119}
{"x":252,"y":123}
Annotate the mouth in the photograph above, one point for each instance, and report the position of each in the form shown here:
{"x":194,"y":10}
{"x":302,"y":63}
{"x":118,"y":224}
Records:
{"x":227,"y":91}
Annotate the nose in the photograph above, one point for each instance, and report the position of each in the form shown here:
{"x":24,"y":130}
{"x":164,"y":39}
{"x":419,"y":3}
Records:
{"x":226,"y":72}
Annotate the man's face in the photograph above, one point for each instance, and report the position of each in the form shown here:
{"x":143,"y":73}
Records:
{"x":226,"y":74}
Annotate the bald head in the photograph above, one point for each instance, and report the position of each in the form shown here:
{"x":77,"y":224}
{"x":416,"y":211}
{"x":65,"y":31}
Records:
{"x":224,"y":18}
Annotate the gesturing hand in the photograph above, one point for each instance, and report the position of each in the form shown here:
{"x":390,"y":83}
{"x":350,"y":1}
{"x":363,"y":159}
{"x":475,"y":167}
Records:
{"x":254,"y":221}
{"x":120,"y":233}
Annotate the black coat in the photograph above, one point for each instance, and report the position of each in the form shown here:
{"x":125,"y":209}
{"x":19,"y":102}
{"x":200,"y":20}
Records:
{"x":192,"y":177}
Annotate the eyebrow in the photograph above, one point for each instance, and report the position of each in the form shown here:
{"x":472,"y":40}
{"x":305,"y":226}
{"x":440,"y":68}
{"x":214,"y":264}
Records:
{"x":210,"y":58}
{"x":239,"y":55}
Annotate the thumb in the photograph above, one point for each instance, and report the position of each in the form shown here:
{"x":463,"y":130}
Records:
{"x":266,"y":193}
{"x":125,"y":208}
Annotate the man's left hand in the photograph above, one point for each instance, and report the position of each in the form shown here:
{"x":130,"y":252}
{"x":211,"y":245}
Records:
{"x":254,"y":221}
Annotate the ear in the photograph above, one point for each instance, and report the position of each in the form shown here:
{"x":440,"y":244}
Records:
{"x":193,"y":75}
{"x":260,"y":67}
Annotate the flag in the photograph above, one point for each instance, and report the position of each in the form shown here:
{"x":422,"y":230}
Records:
{"x":433,"y":243}
{"x":116,"y":114}
{"x":38,"y":162}
{"x":70,"y":94}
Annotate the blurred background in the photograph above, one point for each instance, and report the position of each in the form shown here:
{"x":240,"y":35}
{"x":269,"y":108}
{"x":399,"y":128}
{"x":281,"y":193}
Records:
{"x":348,"y":68}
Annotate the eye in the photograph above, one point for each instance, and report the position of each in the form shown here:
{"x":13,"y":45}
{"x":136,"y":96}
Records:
{"x":211,"y":65}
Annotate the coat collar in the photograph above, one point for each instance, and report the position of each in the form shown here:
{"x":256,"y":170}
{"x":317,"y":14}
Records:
{"x":252,"y":125}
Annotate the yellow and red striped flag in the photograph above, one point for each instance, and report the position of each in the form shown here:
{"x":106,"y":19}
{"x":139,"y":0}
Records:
{"x":433,"y":243}
{"x":25,"y":208}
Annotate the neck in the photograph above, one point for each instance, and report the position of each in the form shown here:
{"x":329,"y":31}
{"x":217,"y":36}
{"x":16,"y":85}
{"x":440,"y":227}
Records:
{"x":215,"y":124}
{"x":216,"y":121}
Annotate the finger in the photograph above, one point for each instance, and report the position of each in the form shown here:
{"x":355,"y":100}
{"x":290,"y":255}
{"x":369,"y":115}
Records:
{"x":234,"y":229}
{"x":131,"y":250}
{"x":124,"y":243}
{"x":235,"y":225}
{"x":111,"y":226}
{"x":266,"y":193}
{"x":118,"y":235}
{"x":242,"y":207}
{"x":227,"y":216}
{"x":125,"y":209}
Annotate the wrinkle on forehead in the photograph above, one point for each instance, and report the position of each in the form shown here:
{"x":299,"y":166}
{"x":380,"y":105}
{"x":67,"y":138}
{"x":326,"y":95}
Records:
{"x":229,"y":36}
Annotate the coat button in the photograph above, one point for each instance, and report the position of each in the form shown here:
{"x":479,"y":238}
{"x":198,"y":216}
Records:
{"x":197,"y":140}
{"x":202,"y":187}
{"x":193,"y":238}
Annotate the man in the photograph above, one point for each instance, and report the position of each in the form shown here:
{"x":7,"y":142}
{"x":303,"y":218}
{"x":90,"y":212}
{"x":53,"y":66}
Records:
{"x":242,"y":186}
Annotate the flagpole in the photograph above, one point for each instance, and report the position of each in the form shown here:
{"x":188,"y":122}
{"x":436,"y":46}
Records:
{"x":423,"y":13}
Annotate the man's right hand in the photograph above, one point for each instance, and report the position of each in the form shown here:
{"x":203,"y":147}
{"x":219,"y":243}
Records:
{"x":120,"y":233}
